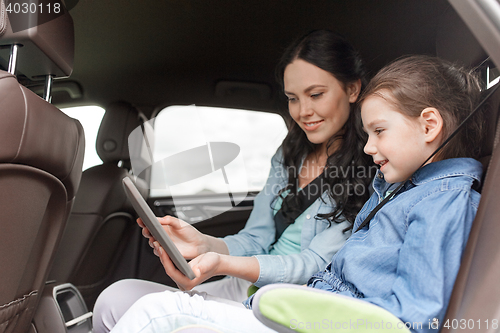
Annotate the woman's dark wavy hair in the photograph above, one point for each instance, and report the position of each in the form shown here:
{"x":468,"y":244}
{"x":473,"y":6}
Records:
{"x":334,"y":54}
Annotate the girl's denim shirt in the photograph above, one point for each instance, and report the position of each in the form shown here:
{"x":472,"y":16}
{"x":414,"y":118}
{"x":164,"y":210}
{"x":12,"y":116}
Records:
{"x":319,"y":242}
{"x":407,"y":258}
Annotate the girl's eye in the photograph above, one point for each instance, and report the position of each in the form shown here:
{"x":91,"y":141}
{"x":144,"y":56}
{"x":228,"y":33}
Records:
{"x":291,"y":99}
{"x":316,"y":95}
{"x":378,"y":131}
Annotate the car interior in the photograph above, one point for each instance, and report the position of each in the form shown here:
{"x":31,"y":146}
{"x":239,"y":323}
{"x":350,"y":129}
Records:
{"x":160,"y":67}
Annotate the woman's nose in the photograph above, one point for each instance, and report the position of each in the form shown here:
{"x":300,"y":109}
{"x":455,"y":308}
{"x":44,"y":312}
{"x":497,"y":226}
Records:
{"x":305,"y":109}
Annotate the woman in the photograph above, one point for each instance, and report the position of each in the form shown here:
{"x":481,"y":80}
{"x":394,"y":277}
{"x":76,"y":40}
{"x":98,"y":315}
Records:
{"x":322,"y":76}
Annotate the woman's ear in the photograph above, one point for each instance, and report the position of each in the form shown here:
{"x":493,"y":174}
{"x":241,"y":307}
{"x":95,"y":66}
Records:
{"x":353,"y":90}
{"x":432,"y":124}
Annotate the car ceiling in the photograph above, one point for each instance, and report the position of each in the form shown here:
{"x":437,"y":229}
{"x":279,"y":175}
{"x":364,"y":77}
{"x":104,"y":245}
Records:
{"x":156,"y":53}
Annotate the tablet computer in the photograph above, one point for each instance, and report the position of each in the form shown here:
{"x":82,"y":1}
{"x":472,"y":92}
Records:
{"x":156,"y":229}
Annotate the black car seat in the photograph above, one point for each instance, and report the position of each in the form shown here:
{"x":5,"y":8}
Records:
{"x":97,"y":228}
{"x":41,"y":157}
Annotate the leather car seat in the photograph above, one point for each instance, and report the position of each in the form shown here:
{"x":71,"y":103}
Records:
{"x":101,"y":214}
{"x":476,"y":294}
{"x":41,"y":159}
{"x":475,"y":300}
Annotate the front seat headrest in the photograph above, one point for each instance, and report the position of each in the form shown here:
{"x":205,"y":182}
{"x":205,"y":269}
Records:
{"x":118,"y":122}
{"x":52,"y":44}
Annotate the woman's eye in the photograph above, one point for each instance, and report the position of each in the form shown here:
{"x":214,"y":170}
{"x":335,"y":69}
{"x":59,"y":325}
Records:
{"x":316,"y":95}
{"x":291,"y":99}
{"x":378,"y":131}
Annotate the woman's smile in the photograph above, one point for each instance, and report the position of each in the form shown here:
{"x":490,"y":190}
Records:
{"x":312,"y":125}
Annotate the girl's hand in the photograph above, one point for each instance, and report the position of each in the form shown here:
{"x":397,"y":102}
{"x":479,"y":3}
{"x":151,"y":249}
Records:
{"x":188,"y":239}
{"x":204,"y":267}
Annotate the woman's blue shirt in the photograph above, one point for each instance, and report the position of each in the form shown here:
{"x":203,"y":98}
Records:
{"x":318,"y":240}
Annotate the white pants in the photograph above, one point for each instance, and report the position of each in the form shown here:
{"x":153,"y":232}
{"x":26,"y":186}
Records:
{"x":167,"y":311}
{"x":115,"y":300}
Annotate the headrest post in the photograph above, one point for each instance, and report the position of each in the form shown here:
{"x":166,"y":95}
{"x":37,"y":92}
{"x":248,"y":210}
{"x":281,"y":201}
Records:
{"x":48,"y":88}
{"x":13,"y":59}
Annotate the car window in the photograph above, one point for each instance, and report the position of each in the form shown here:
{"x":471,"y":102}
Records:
{"x":251,"y":137}
{"x":90,"y":117}
{"x":492,"y":76}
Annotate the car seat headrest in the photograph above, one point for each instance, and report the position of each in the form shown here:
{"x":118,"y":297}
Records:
{"x":51,"y":43}
{"x":118,"y":122}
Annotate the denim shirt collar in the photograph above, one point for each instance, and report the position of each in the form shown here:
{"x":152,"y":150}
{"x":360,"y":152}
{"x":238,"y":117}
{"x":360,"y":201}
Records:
{"x":433,"y":171}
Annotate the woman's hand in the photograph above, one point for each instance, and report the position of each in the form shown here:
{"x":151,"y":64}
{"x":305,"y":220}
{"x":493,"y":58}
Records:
{"x":204,"y":267}
{"x":207,"y":265}
{"x":188,"y":239}
{"x":190,"y":242}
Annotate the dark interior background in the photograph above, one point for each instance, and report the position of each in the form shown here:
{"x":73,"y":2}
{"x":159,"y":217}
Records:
{"x":157,"y":53}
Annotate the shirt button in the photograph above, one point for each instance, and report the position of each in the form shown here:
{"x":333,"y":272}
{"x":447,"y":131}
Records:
{"x":308,"y":216}
{"x":380,"y":176}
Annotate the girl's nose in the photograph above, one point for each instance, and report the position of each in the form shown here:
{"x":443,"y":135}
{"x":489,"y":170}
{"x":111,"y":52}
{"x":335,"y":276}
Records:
{"x":370,"y":148}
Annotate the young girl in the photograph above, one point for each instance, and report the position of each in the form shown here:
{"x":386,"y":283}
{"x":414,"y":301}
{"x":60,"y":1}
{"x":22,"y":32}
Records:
{"x":407,"y":258}
{"x":322,"y":75}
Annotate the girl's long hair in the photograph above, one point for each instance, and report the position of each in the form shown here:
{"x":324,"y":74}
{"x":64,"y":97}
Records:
{"x":413,"y":83}
{"x":348,"y":173}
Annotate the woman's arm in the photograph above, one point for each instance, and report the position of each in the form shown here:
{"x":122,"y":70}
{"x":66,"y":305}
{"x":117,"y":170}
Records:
{"x":265,"y":269}
{"x":320,"y":243}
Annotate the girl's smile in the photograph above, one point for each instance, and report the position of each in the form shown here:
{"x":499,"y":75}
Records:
{"x":381,"y":164}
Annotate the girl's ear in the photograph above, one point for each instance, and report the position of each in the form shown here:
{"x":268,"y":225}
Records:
{"x":353,"y":90}
{"x":432,"y":124}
